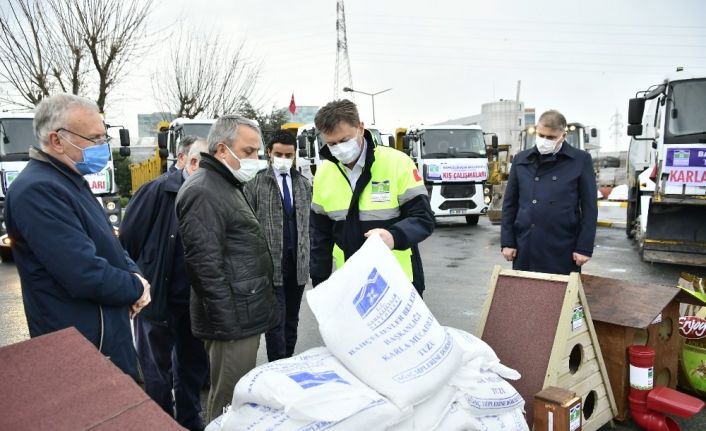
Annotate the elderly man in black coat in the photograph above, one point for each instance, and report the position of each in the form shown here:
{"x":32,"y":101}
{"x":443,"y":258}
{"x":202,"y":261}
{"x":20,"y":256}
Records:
{"x":550,"y":211}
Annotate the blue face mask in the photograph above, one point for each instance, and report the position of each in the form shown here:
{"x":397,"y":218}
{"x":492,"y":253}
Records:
{"x":95,"y":158}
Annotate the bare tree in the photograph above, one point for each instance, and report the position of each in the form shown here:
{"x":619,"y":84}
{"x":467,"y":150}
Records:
{"x":75,"y":46}
{"x":24,"y":52}
{"x":204,"y":77}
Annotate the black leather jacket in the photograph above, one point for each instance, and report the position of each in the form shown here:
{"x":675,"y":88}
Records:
{"x":227,"y":260}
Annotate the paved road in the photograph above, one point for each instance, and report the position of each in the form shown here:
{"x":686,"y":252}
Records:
{"x":458,"y":262}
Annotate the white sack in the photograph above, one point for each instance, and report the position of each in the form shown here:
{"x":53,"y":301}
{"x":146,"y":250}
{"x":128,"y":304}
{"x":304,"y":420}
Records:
{"x":373,"y":321}
{"x":313,"y":385}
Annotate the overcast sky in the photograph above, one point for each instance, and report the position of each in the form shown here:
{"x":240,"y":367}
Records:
{"x":444,"y":58}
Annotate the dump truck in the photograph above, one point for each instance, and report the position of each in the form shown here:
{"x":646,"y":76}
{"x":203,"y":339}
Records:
{"x":16,"y":138}
{"x":667,"y":170}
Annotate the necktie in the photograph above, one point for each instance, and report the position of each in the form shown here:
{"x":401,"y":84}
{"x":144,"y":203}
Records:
{"x":285,"y":195}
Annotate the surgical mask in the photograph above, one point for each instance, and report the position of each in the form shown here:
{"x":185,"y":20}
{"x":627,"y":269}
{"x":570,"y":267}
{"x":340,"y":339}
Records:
{"x":545,"y":146}
{"x":95,"y":158}
{"x":281,"y":164}
{"x":346,"y":152}
{"x":248,"y":168}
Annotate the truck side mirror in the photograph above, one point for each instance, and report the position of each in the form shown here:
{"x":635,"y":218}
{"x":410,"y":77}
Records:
{"x":494,"y":142}
{"x":391,"y":141}
{"x":594,"y":132}
{"x":405,"y":143}
{"x":162,"y":140}
{"x":635,"y":110}
{"x":124,"y":137}
{"x":124,"y":151}
{"x":634,"y":129}
{"x":301,"y":142}
{"x":163,"y":153}
{"x":303,"y":153}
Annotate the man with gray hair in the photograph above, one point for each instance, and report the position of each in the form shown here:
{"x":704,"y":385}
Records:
{"x":228,"y":262}
{"x":183,"y":151}
{"x":174,"y":362}
{"x":72,"y":268}
{"x":549,"y":209}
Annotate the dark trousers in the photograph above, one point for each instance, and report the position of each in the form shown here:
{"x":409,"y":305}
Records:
{"x":172,"y":358}
{"x":281,"y":339}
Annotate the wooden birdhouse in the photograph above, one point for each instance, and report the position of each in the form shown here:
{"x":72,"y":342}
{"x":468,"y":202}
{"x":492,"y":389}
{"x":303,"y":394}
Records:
{"x":626,"y":313}
{"x":540,"y":325}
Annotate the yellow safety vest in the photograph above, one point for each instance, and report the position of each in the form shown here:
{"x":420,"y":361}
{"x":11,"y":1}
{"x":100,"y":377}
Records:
{"x":394,"y":181}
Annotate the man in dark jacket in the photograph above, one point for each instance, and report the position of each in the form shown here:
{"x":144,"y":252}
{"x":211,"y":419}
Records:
{"x":281,"y":198}
{"x":172,"y":359}
{"x":227,"y":260}
{"x":183,"y":151}
{"x":72,"y":268}
{"x":362,"y":189}
{"x":550,"y":211}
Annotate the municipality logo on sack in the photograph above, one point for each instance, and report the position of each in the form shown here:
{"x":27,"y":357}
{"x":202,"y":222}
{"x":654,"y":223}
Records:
{"x":309,"y":380}
{"x":370,"y":294}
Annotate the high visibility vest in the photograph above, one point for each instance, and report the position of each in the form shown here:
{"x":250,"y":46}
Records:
{"x":394,"y":181}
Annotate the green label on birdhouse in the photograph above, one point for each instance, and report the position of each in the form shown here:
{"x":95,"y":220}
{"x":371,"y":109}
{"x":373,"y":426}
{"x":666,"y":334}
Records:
{"x":577,"y":318}
{"x":575,"y":417}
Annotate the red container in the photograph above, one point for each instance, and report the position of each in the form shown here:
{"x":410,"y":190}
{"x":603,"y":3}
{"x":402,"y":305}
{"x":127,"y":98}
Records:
{"x":642,"y":356}
{"x":666,"y":400}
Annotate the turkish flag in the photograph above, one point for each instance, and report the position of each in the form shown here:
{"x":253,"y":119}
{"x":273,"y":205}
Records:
{"x":292,"y":105}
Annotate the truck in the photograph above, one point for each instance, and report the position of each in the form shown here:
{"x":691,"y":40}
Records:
{"x":453,"y":163}
{"x":16,"y":138}
{"x":169,"y":137}
{"x":585,"y":138}
{"x":667,"y":170}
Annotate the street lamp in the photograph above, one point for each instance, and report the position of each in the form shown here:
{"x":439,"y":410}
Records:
{"x":372,"y":96}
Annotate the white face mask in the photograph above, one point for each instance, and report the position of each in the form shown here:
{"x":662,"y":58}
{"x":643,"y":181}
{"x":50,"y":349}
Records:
{"x":281,"y":164}
{"x":346,"y":152}
{"x":545,"y":146}
{"x":248,"y":168}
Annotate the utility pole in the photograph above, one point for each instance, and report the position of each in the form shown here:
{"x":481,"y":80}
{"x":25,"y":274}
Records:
{"x":342,"y":58}
{"x":616,"y":128}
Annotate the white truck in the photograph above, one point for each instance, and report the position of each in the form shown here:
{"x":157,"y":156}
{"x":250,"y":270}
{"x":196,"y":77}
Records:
{"x":168,"y":139}
{"x":454,"y":165}
{"x":16,"y":138}
{"x":667,"y":170}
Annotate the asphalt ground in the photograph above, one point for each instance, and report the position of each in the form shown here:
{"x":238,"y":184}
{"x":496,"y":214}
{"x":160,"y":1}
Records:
{"x":458,"y":262}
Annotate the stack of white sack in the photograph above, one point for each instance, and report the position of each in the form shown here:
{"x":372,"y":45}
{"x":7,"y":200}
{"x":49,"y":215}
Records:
{"x":310,"y":391}
{"x":423,"y":376}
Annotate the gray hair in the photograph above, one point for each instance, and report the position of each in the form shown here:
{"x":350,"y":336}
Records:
{"x":185,"y":143}
{"x":225,"y":130}
{"x":52,"y":112}
{"x":197,"y":147}
{"x":553,"y":119}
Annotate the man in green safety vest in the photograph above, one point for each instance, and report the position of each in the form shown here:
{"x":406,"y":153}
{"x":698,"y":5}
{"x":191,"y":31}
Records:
{"x":361,"y":189}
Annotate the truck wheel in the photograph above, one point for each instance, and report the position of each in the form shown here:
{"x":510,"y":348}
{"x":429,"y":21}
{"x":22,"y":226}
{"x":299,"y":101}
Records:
{"x":6,"y":254}
{"x":472,"y":220}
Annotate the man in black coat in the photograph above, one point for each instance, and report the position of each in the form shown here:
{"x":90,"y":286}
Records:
{"x":550,"y":211}
{"x":228,"y":263}
{"x":174,"y":362}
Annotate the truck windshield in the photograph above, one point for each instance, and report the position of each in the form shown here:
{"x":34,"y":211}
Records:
{"x":200,"y":130}
{"x":17,"y":135}
{"x":456,"y":143}
{"x":687,"y":112}
{"x":573,"y":137}
{"x":527,"y":140}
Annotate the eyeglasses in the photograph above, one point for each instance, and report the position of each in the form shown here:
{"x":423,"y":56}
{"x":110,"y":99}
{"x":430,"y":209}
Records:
{"x":96,"y":141}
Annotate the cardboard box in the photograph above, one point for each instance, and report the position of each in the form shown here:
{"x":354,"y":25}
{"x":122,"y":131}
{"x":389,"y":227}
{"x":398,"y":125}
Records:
{"x":556,"y":409}
{"x":60,"y":381}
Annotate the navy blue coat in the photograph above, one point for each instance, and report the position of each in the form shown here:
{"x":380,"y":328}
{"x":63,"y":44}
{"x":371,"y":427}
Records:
{"x":71,"y":265}
{"x":550,"y":209}
{"x":149,"y":234}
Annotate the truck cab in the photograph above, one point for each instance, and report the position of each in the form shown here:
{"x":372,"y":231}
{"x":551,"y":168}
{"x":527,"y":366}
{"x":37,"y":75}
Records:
{"x":667,"y":170}
{"x":454,"y":165}
{"x":585,"y":138}
{"x":16,"y":138}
